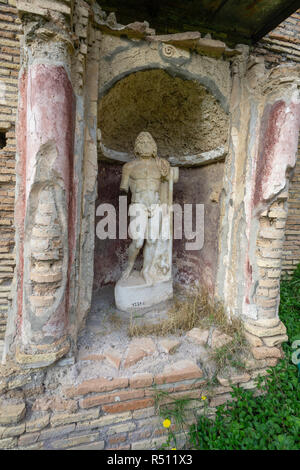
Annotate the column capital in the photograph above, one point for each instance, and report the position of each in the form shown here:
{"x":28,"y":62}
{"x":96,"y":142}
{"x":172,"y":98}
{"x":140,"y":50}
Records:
{"x":46,"y":22}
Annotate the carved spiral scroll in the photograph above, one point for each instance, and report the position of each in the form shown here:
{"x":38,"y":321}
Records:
{"x":169,"y":50}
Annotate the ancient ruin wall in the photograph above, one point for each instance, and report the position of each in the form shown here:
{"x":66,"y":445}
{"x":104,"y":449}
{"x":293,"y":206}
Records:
{"x":106,"y":413}
{"x":282,"y":45}
{"x":112,"y":414}
{"x":9,"y":68}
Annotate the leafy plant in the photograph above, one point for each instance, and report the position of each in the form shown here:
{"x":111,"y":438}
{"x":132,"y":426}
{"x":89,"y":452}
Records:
{"x":270,"y":421}
{"x":174,"y":412}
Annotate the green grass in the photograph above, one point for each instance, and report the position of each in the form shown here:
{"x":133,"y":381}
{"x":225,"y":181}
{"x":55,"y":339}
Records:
{"x":270,"y":421}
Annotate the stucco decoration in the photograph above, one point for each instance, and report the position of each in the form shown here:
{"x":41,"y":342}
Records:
{"x":45,"y":251}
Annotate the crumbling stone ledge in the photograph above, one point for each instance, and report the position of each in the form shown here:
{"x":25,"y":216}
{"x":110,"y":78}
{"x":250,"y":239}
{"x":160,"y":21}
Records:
{"x":116,"y":414}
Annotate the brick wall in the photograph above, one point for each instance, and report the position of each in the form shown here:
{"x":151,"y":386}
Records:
{"x":116,"y":414}
{"x":291,"y":247}
{"x":283,"y":43}
{"x":9,"y":69}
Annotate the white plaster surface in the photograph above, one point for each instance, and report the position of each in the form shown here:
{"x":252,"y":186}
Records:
{"x":134,"y":294}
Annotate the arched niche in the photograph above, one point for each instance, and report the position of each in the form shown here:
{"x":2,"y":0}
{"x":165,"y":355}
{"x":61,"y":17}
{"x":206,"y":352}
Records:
{"x":184,"y":117}
{"x":190,"y":126}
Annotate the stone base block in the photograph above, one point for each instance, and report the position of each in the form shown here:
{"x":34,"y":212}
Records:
{"x":133,"y":294}
{"x":35,"y":359}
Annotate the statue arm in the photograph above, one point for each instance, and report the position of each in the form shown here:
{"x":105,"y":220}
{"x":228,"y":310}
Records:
{"x":164,"y":167}
{"x":124,"y":186}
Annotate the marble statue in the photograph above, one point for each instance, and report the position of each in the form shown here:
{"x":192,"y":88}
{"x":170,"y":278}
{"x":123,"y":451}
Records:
{"x":150,"y":180}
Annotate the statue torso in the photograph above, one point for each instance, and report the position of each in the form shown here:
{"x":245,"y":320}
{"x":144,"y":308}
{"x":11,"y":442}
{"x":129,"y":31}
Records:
{"x":146,"y":170}
{"x":144,"y":182}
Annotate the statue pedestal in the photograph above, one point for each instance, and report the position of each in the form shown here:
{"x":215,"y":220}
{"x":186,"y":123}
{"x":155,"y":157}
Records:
{"x":134,"y":294}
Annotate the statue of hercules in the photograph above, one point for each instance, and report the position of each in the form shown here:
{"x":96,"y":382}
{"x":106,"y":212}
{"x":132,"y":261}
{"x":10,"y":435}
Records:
{"x":144,"y":176}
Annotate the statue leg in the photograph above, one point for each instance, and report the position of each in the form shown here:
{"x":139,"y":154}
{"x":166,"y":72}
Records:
{"x":133,"y":251}
{"x":150,"y":248}
{"x":149,"y":252}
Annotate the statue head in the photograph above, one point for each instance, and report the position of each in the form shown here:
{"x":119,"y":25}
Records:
{"x":145,"y":146}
